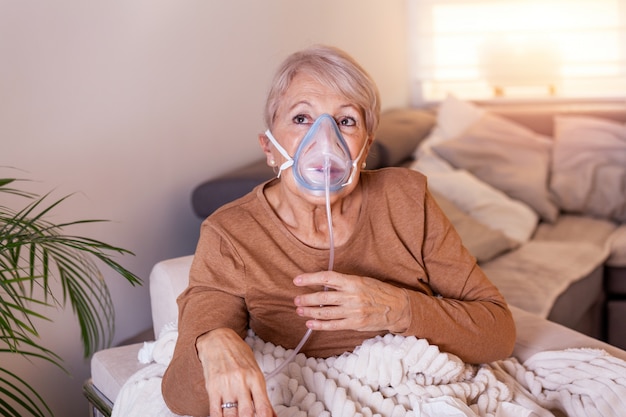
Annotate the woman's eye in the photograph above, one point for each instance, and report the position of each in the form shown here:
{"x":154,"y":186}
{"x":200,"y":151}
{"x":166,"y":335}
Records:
{"x":347,"y":121}
{"x":300,"y":119}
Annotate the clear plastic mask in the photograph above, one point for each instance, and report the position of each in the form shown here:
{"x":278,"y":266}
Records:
{"x":322,"y":158}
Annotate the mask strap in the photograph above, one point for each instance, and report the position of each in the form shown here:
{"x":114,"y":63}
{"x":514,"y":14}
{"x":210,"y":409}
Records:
{"x":283,"y":152}
{"x":354,"y":165}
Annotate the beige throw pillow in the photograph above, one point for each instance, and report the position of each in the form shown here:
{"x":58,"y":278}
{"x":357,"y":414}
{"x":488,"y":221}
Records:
{"x":507,"y":156}
{"x":589,"y":167}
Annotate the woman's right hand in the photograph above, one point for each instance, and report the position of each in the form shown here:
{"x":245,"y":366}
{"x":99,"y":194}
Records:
{"x":232,"y":375}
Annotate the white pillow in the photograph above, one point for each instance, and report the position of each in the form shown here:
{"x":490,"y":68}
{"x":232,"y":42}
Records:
{"x":429,"y":162}
{"x":454,"y":116}
{"x":484,"y":203}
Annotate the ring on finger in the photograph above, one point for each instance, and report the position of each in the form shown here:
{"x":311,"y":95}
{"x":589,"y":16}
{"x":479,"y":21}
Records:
{"x":230,"y":405}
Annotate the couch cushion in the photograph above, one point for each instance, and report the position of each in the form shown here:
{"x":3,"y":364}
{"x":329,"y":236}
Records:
{"x":575,"y":228}
{"x":110,"y":368}
{"x":533,"y":276}
{"x":536,"y":335}
{"x":603,"y":234}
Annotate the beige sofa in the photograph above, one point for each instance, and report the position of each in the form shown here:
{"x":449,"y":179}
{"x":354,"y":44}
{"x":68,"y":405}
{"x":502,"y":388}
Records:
{"x":111,"y":368}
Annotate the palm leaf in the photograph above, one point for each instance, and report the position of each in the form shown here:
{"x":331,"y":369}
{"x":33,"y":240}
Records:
{"x":20,"y":392}
{"x":34,"y":254}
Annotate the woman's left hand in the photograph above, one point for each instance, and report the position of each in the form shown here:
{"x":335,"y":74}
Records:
{"x":352,"y":303}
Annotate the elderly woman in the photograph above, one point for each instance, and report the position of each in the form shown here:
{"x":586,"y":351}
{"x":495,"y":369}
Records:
{"x":262,"y":262}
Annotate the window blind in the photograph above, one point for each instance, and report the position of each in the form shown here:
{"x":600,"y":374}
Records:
{"x":479,"y":49}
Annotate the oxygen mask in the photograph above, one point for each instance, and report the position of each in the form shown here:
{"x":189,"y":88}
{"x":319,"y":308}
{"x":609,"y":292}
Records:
{"x":322,"y":161}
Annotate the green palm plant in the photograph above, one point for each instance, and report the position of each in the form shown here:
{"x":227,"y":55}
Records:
{"x":41,"y":267}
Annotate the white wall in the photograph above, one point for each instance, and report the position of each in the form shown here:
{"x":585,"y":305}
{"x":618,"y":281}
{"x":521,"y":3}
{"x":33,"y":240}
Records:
{"x":133,"y":103}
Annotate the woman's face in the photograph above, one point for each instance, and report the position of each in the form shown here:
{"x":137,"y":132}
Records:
{"x":303,"y":102}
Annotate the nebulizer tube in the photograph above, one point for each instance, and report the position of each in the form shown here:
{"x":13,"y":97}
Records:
{"x":331,"y":262}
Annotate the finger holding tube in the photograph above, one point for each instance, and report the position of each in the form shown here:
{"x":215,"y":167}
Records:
{"x":357,"y":303}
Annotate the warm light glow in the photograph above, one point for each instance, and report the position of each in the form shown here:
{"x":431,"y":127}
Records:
{"x":523,"y":42}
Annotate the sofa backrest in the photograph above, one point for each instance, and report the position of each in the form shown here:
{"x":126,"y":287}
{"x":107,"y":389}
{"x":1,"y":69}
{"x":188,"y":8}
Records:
{"x":540,"y":116}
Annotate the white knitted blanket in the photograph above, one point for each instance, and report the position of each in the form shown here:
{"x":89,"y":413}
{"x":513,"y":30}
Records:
{"x":404,"y":376}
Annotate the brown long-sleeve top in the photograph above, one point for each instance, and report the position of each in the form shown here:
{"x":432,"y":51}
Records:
{"x":246,"y":259}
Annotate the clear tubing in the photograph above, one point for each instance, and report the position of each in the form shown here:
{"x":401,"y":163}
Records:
{"x":331,"y":236}
{"x":331,"y":262}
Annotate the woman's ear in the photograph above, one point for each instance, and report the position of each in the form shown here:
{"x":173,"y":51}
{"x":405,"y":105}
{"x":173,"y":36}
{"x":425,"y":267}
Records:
{"x":266,"y":146}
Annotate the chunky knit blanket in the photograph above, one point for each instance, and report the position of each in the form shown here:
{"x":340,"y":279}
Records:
{"x":404,"y":376}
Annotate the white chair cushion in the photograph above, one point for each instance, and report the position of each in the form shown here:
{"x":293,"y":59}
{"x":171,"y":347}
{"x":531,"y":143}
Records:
{"x":111,"y":368}
{"x":167,"y":280}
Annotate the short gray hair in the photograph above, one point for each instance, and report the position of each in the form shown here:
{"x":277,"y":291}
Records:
{"x":334,"y":68}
